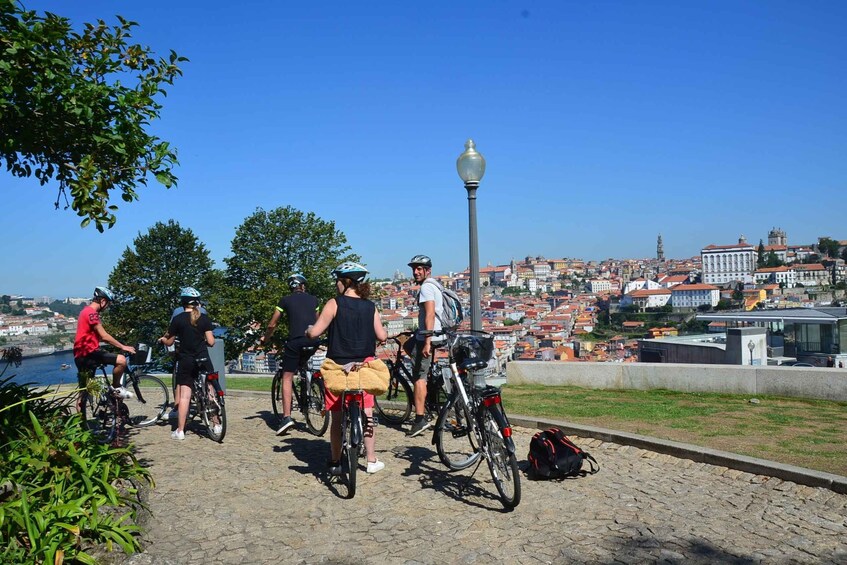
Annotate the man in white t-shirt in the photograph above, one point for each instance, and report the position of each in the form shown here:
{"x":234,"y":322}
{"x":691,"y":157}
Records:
{"x":420,"y":348}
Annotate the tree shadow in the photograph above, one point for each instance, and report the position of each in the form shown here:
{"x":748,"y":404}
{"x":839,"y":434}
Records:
{"x":645,"y":548}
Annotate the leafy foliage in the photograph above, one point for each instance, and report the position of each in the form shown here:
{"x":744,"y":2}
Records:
{"x":76,"y":107}
{"x":268,"y":247}
{"x":148,"y":278}
{"x":828,"y":247}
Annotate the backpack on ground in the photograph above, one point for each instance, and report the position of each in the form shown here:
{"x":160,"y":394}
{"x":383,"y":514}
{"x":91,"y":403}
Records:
{"x":553,"y":456}
{"x":451,"y":314}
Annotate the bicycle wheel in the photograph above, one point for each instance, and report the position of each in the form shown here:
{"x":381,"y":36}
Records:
{"x":395,"y":405}
{"x":454,"y":436}
{"x":502,"y":464}
{"x":276,"y":396}
{"x":317,"y":417}
{"x":150,"y":402}
{"x":98,"y":414}
{"x":214,"y":414}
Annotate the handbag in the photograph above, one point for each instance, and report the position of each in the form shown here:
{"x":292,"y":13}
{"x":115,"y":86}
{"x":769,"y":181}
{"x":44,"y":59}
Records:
{"x":371,"y":376}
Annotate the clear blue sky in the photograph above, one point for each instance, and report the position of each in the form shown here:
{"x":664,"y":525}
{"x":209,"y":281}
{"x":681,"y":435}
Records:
{"x":603,"y":125}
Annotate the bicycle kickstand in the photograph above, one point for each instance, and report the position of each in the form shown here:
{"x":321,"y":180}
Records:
{"x":467,"y":480}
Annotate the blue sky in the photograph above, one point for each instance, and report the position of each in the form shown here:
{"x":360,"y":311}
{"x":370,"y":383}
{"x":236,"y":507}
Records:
{"x":603,"y":124}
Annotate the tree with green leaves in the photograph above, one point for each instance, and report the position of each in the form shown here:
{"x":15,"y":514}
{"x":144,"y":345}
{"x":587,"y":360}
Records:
{"x":268,"y":247}
{"x":76,"y":106}
{"x":149,"y":276}
{"x":760,"y":255}
{"x":772,"y":260}
{"x":828,"y":247}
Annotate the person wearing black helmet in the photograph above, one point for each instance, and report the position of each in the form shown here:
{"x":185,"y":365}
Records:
{"x":354,"y":326}
{"x":87,"y":352}
{"x":301,"y":309}
{"x":420,"y":349}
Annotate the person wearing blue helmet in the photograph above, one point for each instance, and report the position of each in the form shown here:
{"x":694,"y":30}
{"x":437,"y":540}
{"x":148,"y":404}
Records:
{"x":301,"y":309}
{"x":186,"y":295}
{"x":88,"y":354}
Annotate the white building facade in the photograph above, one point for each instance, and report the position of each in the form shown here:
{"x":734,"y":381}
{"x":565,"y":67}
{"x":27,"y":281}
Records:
{"x":694,"y":295}
{"x":725,"y":263}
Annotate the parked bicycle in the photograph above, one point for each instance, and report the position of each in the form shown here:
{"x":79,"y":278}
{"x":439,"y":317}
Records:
{"x":307,"y":394}
{"x":105,"y":414}
{"x":472,"y":424}
{"x":394,"y":407}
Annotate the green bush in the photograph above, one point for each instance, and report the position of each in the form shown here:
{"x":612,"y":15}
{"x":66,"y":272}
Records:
{"x":61,"y":492}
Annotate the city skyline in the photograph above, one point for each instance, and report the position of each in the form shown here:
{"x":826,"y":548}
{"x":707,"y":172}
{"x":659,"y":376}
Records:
{"x":603,"y":125}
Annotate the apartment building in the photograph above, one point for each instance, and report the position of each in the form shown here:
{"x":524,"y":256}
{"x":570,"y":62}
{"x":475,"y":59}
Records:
{"x":694,"y":295}
{"x":725,"y":263}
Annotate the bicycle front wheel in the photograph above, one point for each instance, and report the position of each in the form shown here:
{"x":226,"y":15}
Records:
{"x":395,"y":405}
{"x":214,"y":414}
{"x":317,"y":417}
{"x":502,"y":463}
{"x":150,"y":402}
{"x":98,"y":415}
{"x":455,"y":440}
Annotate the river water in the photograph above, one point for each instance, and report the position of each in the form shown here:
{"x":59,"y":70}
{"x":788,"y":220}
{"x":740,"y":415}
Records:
{"x":44,"y":370}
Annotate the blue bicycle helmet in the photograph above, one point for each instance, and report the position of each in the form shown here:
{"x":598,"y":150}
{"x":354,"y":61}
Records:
{"x":189,"y":292}
{"x":103,"y":292}
{"x":350,"y":270}
{"x":294,"y":281}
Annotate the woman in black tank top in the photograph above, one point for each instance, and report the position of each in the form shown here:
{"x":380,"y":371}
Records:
{"x":354,"y":326}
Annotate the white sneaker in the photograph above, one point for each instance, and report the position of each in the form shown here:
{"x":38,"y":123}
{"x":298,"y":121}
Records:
{"x":121,"y":392}
{"x":178,"y":434}
{"x":375,"y":466}
{"x":217,"y":429}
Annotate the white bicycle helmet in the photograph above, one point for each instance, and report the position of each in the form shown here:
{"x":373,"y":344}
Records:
{"x":294,"y":281}
{"x":103,"y":292}
{"x":350,"y":270}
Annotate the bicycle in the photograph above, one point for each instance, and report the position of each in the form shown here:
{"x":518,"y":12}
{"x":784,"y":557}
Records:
{"x":307,"y":394}
{"x":353,"y":425}
{"x":209,"y":400}
{"x":394,"y":407}
{"x":472,"y":424}
{"x":105,"y":414}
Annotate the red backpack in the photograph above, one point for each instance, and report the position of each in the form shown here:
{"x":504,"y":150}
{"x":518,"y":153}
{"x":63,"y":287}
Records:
{"x":553,"y":456}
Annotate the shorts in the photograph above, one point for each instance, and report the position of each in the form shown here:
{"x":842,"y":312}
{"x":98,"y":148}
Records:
{"x":420,"y":364}
{"x":187,"y":369}
{"x":332,"y":401}
{"x":87,"y":364}
{"x":294,"y":350}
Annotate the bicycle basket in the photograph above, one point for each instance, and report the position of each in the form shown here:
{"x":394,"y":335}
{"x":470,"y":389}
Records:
{"x":472,"y":348}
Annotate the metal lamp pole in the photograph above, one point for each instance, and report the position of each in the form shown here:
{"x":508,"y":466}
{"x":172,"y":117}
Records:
{"x":751,"y":346}
{"x":471,"y":167}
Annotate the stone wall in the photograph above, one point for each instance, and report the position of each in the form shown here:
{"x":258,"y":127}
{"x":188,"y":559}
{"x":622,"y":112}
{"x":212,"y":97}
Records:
{"x":802,"y":382}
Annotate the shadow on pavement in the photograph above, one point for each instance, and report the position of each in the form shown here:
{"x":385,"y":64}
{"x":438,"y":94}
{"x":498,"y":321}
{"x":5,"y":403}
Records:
{"x":268,"y":417}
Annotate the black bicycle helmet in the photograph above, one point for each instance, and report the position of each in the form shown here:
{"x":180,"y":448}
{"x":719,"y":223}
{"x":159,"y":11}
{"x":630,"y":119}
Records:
{"x":103,"y":292}
{"x":421,"y":260}
{"x":294,"y":281}
{"x":350,"y":270}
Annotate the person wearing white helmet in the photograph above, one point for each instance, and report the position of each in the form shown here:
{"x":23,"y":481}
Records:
{"x":87,"y":351}
{"x":301,"y":309}
{"x":354,"y":326}
{"x":420,"y":349}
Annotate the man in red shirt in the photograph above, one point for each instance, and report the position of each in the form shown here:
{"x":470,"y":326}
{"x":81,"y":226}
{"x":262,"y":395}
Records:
{"x":87,"y":352}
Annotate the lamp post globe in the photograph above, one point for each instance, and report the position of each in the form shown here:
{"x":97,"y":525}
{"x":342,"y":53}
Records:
{"x":471,"y":168}
{"x":751,"y":346}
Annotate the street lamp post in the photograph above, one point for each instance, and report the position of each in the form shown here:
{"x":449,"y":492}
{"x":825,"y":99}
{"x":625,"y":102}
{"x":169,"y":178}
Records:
{"x":471,"y":167}
{"x":751,"y":346}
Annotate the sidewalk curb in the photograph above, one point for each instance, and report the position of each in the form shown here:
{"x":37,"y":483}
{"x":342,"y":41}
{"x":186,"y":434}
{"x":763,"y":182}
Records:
{"x":752,"y":465}
{"x":799,"y":475}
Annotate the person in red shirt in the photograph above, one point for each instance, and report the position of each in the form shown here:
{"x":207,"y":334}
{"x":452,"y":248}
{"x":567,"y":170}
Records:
{"x":87,"y":352}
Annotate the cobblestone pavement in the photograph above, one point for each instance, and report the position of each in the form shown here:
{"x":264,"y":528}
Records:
{"x":258,"y":498}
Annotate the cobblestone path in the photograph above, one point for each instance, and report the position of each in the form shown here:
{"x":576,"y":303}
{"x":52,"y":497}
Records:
{"x":258,"y":498}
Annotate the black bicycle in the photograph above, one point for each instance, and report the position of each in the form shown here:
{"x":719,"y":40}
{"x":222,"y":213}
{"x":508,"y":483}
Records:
{"x":353,"y":425}
{"x":105,"y":414}
{"x":394,"y":407}
{"x":472,"y":424}
{"x":307,"y":394}
{"x":209,"y":400}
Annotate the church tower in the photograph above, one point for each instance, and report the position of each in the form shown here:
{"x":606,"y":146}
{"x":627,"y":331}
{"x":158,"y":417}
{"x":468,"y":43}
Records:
{"x":660,"y":250}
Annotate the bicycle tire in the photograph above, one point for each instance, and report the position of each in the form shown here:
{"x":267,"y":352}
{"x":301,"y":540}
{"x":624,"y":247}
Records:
{"x":214,"y":409}
{"x":351,"y":454}
{"x":276,"y":396}
{"x":395,"y":405}
{"x":501,"y":462}
{"x":317,"y":416}
{"x":454,"y":436}
{"x":155,"y":398}
{"x":99,"y":417}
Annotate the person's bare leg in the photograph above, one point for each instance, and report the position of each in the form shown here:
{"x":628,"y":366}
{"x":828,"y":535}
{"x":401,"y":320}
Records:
{"x":370,"y":437}
{"x":287,"y":377}
{"x":184,"y":401}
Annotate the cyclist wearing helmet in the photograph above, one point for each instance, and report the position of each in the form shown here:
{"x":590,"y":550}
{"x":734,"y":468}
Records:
{"x":420,"y":349}
{"x":87,"y":352}
{"x":354,"y":327}
{"x":301,"y":309}
{"x":186,"y":295}
{"x":194,"y":330}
